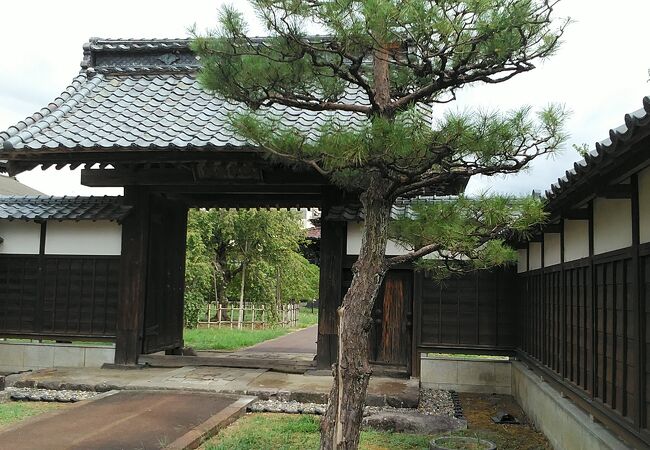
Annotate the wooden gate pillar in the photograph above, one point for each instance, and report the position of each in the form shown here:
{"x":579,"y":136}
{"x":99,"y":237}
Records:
{"x":133,"y":276}
{"x":332,"y":250}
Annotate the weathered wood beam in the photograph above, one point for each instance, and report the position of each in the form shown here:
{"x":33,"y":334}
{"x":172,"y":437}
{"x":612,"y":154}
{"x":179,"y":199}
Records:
{"x":553,"y":228}
{"x":615,"y":191}
{"x":270,"y":176}
{"x":576,"y":214}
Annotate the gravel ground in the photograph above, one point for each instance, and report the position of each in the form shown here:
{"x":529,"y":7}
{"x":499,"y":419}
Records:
{"x":435,"y":402}
{"x":46,"y":395}
{"x":432,"y":403}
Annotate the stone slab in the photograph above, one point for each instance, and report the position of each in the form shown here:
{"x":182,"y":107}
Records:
{"x":128,"y":420}
{"x":413,"y":422}
{"x":258,"y":382}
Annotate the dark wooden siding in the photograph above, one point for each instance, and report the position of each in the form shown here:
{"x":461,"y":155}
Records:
{"x":470,"y":311}
{"x":69,"y":297}
{"x":579,"y":322}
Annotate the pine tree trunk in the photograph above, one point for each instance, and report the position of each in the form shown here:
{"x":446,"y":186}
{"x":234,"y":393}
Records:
{"x":341,"y":425}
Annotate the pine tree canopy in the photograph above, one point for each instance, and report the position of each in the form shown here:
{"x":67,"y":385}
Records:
{"x":378,"y":71}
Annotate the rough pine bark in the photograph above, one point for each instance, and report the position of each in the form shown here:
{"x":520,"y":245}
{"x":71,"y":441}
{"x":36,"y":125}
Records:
{"x":342,"y":422}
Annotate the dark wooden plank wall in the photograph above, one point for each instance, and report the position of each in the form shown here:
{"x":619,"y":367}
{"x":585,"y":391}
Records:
{"x":579,"y":320}
{"x":163,"y":327}
{"x":470,"y":311}
{"x":70,"y":297}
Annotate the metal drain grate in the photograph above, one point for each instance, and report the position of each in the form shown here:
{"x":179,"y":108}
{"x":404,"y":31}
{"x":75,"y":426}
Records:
{"x":458,"y":408}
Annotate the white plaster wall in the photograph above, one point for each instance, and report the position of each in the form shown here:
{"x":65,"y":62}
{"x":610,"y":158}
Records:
{"x":355,"y":231}
{"x":644,"y":205}
{"x":20,"y":237}
{"x":576,"y":239}
{"x":83,"y":238}
{"x":522,"y":260}
{"x":552,"y":247}
{"x":535,"y":260}
{"x":612,"y":224}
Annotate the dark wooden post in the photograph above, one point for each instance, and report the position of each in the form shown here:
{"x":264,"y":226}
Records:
{"x":333,"y":243}
{"x":133,"y":276}
{"x":591,"y":298}
{"x":639,"y":310}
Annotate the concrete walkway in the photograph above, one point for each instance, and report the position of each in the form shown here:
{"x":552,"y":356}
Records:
{"x":301,"y":341}
{"x":256,"y":382}
{"x":128,"y":420}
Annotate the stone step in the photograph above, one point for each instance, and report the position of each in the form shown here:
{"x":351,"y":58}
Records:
{"x":275,"y":365}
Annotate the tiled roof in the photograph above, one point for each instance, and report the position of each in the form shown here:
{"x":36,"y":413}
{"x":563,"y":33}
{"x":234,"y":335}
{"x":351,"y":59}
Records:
{"x":143,"y":95}
{"x":11,"y":186}
{"x":606,"y":154}
{"x":354,"y":212}
{"x":62,"y":208}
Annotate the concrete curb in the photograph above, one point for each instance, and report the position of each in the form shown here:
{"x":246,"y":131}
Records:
{"x":196,"y":436}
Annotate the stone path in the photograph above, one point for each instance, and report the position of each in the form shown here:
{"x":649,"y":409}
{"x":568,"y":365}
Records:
{"x":257,"y":382}
{"x":301,"y":341}
{"x":128,"y":420}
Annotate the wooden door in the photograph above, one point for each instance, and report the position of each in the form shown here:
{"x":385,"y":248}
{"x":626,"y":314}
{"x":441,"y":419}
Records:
{"x":163,"y":318}
{"x":390,"y":337}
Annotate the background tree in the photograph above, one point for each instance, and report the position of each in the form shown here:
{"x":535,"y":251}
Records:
{"x":246,"y":251}
{"x":382,"y":64}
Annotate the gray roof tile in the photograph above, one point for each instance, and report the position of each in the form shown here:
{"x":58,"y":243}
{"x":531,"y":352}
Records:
{"x":126,"y":97}
{"x":637,"y":126}
{"x":62,"y":208}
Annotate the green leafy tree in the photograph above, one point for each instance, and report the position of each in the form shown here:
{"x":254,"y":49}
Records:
{"x":384,"y":65}
{"x":246,"y":255}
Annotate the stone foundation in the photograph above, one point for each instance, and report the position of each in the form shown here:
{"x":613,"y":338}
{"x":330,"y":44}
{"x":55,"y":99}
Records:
{"x":16,"y":356}
{"x":484,"y":376}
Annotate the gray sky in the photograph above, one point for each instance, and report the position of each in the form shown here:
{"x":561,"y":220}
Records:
{"x":600,"y":73}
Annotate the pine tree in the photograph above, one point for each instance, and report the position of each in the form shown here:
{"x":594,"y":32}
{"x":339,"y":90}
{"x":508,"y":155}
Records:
{"x":384,"y":67}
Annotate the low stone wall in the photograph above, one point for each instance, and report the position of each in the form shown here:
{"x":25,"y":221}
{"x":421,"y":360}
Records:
{"x":24,"y":356}
{"x":485,"y":376}
{"x":565,"y":425}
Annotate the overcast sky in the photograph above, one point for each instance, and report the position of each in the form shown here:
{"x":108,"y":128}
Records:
{"x":600,"y":73}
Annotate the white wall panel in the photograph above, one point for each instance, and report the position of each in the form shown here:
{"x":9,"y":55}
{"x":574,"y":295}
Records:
{"x":576,"y":239}
{"x":552,"y":248}
{"x":83,"y":238}
{"x":535,"y":259}
{"x":353,"y":245}
{"x":612,"y":224}
{"x":522,"y":260}
{"x":22,"y":238}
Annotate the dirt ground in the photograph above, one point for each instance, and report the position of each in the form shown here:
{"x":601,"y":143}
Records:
{"x":479,"y":409}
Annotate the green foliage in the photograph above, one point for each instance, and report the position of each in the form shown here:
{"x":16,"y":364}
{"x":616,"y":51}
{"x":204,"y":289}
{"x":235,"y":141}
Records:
{"x":469,"y":233}
{"x":221,"y":241}
{"x":386,"y":132}
{"x":450,"y":43}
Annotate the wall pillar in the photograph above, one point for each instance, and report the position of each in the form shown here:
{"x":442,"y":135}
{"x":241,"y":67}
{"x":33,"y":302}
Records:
{"x":333,"y":241}
{"x":133,"y":276}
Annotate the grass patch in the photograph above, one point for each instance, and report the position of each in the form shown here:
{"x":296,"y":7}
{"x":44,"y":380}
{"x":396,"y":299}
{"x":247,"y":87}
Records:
{"x":229,"y":338}
{"x":299,"y":432}
{"x":234,"y":338}
{"x":295,"y":432}
{"x":12,"y":412}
